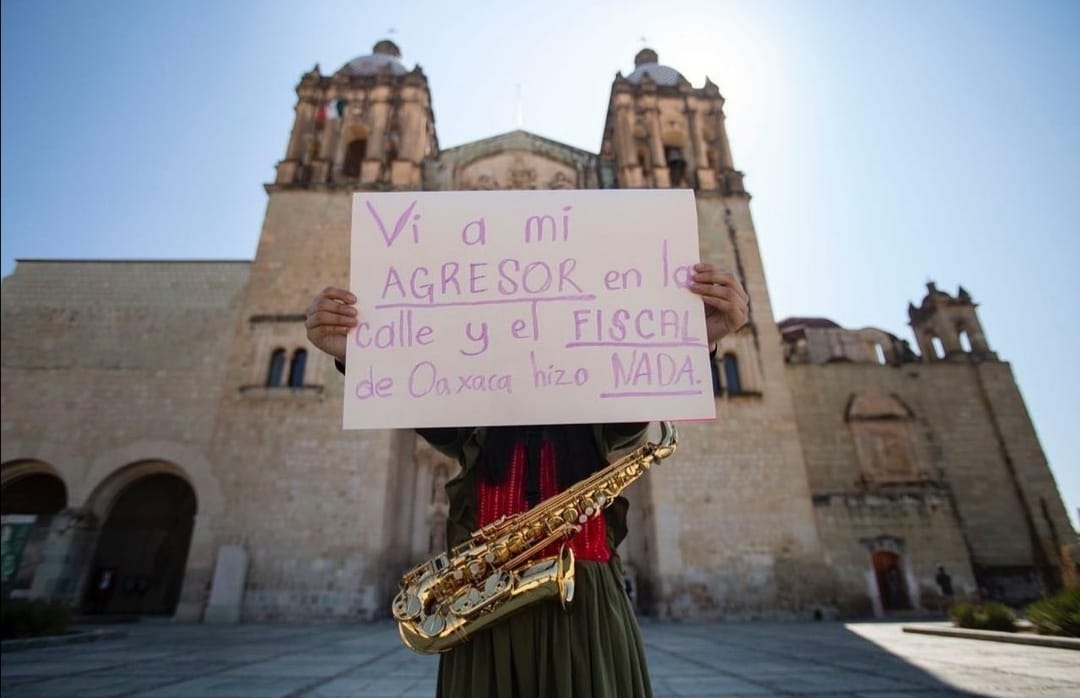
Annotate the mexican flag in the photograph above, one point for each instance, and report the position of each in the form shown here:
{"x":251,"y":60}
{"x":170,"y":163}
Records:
{"x":333,"y":109}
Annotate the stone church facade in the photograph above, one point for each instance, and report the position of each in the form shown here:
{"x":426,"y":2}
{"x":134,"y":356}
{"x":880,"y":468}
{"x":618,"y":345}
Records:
{"x":172,"y":445}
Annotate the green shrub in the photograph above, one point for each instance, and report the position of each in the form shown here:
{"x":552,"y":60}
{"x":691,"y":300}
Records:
{"x":1057,"y":615}
{"x":984,"y":616}
{"x":33,"y":617}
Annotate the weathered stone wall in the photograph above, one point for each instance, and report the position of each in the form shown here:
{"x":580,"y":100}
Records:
{"x":926,"y":524}
{"x":959,"y":456}
{"x":111,"y":364}
{"x":734,"y":529}
{"x":307,"y":500}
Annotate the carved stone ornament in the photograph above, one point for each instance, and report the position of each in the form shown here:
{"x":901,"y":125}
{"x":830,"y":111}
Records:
{"x":522,"y":176}
{"x":560,"y":181}
{"x":483,"y":182}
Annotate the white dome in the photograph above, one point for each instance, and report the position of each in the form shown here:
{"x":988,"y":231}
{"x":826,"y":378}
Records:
{"x":384,"y":56}
{"x":646,"y":62}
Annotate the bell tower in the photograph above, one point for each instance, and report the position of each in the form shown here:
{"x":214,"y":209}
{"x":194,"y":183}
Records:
{"x":947,"y":328}
{"x":662,"y":132}
{"x":367,"y":126}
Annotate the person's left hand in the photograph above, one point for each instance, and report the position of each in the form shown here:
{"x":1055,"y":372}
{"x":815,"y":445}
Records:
{"x":726,"y":304}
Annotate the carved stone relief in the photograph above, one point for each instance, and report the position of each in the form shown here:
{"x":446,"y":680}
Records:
{"x":517,"y":170}
{"x":884,"y":443}
{"x":434,"y":470}
{"x":884,"y":452}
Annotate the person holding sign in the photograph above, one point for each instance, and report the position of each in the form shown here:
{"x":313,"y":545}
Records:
{"x":594,"y":648}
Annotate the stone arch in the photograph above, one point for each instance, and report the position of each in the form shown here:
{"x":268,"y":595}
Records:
{"x":147,"y":512}
{"x":106,"y":493}
{"x":165,"y":455}
{"x":875,"y":405}
{"x":12,"y":472}
{"x":32,"y":495}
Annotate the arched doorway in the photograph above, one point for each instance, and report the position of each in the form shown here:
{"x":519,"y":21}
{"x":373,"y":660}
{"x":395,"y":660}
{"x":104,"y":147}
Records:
{"x":29,"y":499}
{"x":890,"y":581}
{"x":142,"y":548}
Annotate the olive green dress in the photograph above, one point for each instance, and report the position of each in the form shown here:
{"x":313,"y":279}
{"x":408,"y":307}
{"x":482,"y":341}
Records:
{"x":591,"y":650}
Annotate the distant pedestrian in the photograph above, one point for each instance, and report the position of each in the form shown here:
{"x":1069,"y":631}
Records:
{"x":944,"y":582}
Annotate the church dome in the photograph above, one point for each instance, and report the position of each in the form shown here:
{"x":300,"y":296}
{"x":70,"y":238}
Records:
{"x":384,"y":56}
{"x":646,"y":62}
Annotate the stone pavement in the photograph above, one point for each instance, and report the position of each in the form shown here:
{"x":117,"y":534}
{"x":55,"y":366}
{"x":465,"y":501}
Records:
{"x":872,"y":660}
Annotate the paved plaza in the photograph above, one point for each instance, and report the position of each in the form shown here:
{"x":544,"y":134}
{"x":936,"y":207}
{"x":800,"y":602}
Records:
{"x":875,"y":660}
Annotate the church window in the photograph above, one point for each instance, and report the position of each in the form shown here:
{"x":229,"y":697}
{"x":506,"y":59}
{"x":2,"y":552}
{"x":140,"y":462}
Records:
{"x":731,"y":375}
{"x":296,"y":368}
{"x":354,"y":156}
{"x":392,"y":147}
{"x":277,"y":368}
{"x":938,"y":347}
{"x":676,"y":165}
{"x":965,"y":341}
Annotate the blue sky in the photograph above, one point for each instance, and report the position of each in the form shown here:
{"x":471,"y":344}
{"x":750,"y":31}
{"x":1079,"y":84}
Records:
{"x":886,"y":143}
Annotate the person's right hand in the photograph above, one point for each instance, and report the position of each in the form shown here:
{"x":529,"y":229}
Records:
{"x":329,"y":318}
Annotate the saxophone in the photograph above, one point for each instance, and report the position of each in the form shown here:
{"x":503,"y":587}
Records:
{"x":444,"y":601}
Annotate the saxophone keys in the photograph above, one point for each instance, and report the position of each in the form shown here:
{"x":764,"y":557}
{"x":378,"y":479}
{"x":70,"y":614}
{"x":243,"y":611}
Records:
{"x":466,"y":602}
{"x":407,"y":605}
{"x":496,"y":583}
{"x":433,"y":625}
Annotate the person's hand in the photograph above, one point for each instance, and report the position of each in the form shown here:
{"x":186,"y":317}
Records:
{"x":329,"y":318}
{"x":726,"y":304}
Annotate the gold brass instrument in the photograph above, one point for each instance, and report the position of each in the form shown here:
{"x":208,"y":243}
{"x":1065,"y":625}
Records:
{"x":444,"y":601}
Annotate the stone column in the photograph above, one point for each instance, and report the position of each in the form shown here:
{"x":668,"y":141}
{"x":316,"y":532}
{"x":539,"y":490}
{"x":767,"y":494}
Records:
{"x":655,"y":139}
{"x":726,"y":162}
{"x":661,"y":175}
{"x":66,"y":556}
{"x":697,"y":136}
{"x":625,"y":151}
{"x":305,"y":112}
{"x":198,"y":573}
{"x":706,"y":176}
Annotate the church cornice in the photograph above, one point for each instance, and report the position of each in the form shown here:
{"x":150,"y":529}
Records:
{"x":517,"y":140}
{"x":314,"y":86}
{"x":346,"y":186}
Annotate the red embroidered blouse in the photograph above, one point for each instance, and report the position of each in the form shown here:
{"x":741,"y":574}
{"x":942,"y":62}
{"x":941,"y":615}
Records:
{"x":508,"y":497}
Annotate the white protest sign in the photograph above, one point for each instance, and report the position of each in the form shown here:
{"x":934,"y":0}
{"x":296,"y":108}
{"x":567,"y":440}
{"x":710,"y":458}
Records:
{"x":525,"y":307}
